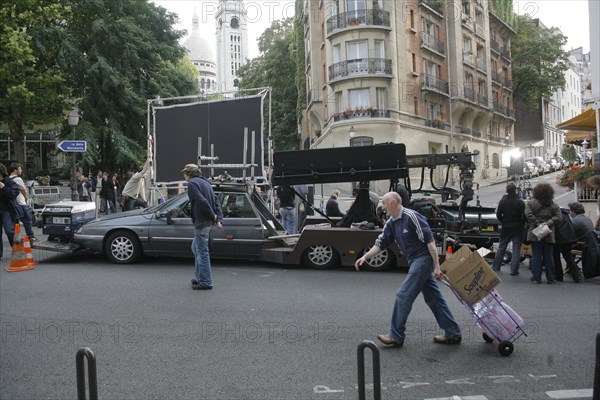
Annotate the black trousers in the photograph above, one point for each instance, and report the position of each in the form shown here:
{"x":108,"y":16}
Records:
{"x":565,"y":250}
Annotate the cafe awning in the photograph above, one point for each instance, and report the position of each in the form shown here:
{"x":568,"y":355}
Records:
{"x":577,"y":137}
{"x":586,"y":121}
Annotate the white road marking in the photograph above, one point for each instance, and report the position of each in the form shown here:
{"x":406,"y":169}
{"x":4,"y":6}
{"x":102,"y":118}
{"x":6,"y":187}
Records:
{"x":405,"y":385}
{"x":542,"y":376}
{"x":477,"y":397}
{"x":319,"y":389}
{"x":461,"y":381}
{"x":503,"y":378}
{"x":570,"y":394}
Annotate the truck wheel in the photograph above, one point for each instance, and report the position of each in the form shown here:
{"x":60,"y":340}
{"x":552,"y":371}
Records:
{"x":320,"y":257}
{"x":123,"y":247}
{"x":382,"y":261}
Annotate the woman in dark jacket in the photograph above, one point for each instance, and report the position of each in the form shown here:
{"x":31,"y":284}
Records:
{"x":108,"y":193}
{"x":542,"y":210}
{"x":10,"y":211}
{"x":332,"y":208}
{"x":565,"y":239}
{"x":511,"y":214}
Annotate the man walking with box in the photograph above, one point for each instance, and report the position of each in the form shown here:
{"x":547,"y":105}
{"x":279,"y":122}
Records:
{"x":411,"y":232}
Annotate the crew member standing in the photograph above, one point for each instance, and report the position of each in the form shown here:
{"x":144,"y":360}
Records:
{"x":206,"y":212}
{"x":413,"y":235}
{"x":134,"y":191}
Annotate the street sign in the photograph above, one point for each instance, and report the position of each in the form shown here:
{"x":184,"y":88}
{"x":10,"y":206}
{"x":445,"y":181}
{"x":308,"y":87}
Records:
{"x":75,"y":146}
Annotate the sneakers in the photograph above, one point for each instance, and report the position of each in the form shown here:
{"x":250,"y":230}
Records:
{"x":447,"y":340}
{"x":201,"y":287}
{"x":194,"y":282}
{"x":390,"y":341}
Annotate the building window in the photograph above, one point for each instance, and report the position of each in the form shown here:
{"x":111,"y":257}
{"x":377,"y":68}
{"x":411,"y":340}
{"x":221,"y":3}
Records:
{"x":358,"y":98}
{"x":414,"y":63}
{"x":416,"y":105}
{"x":380,"y":97}
{"x":412,"y":19}
{"x":379,"y":49}
{"x":361,"y":141}
{"x":357,"y":50}
{"x":495,"y":161}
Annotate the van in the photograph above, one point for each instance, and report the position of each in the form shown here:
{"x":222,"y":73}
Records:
{"x":540,"y":164}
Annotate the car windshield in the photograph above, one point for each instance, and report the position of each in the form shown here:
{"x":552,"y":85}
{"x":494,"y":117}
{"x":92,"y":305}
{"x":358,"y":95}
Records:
{"x":165,"y":204}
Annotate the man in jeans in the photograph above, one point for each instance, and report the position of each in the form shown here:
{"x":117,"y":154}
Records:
{"x":206,"y":212}
{"x":413,"y":235}
{"x":287,"y":208}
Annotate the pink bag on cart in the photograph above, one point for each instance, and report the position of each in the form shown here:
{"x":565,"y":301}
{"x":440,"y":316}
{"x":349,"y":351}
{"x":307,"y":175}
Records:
{"x":497,"y":319}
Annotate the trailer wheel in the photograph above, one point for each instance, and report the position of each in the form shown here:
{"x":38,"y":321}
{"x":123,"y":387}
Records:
{"x":505,"y":348}
{"x":123,"y":247}
{"x":382,"y":261}
{"x":320,"y":257}
{"x":487,"y":338}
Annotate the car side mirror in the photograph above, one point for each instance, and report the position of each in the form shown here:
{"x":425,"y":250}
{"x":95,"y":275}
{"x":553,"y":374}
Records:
{"x":170,"y":217}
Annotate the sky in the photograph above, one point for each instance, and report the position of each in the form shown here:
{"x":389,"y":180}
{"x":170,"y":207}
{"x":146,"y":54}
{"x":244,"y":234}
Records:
{"x":571,"y":16}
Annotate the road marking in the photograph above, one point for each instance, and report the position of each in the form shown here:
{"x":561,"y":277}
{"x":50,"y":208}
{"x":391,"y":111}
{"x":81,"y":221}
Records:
{"x":319,"y":389}
{"x":461,"y":381}
{"x":405,"y":385}
{"x":477,"y":397}
{"x":542,"y":376}
{"x":570,"y":394}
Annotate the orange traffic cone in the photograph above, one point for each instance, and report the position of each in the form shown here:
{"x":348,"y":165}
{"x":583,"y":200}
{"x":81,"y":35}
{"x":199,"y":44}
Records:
{"x":449,"y":250}
{"x":28,"y":253}
{"x":18,"y":260}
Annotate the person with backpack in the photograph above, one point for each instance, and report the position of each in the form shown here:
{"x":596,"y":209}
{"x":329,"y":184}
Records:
{"x":10,"y":211}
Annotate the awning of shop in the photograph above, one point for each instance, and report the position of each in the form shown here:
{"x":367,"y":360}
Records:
{"x":577,"y":137}
{"x":586,"y":121}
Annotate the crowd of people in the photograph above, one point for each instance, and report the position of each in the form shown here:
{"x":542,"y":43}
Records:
{"x":114,"y":191}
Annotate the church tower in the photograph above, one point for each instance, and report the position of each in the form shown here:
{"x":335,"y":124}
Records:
{"x":201,"y":56}
{"x":232,"y":42}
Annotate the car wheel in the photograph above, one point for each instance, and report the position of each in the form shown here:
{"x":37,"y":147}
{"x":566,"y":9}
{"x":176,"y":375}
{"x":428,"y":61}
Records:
{"x":382,"y":261}
{"x":123,"y":247}
{"x":320,"y":257}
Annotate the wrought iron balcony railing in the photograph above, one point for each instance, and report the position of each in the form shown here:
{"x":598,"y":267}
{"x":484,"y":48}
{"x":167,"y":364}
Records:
{"x":432,"y":43}
{"x":360,"y":66}
{"x":434,"y":83}
{"x":370,"y":17}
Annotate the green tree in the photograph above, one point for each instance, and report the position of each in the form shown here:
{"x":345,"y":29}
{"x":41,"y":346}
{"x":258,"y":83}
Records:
{"x":276,"y":67}
{"x":33,"y":90}
{"x":538,"y":61}
{"x":300,"y":66}
{"x":118,"y":55}
{"x":569,"y":153}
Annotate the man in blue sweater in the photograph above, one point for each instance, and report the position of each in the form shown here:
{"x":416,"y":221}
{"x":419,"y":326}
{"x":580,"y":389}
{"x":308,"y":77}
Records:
{"x":410,"y":231}
{"x":206,"y":212}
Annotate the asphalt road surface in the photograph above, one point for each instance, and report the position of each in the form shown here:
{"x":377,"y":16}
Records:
{"x":273,"y":332}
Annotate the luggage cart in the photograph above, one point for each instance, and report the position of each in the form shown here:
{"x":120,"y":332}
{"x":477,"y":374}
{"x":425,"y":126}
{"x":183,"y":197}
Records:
{"x":498,"y":321}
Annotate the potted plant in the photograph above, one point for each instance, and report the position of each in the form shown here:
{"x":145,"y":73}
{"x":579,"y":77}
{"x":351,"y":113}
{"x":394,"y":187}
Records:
{"x":438,"y":122}
{"x":348,"y":111}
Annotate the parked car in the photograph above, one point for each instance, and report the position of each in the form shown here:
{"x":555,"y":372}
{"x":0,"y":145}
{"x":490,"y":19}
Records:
{"x":540,"y":164}
{"x":167,"y":230}
{"x":530,"y":170}
{"x":556,"y":164}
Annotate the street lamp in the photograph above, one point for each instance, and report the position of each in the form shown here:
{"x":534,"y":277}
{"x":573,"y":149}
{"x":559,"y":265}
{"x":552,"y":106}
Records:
{"x":508,"y":139}
{"x":584,"y":144}
{"x":352,"y":134}
{"x":73,"y":118}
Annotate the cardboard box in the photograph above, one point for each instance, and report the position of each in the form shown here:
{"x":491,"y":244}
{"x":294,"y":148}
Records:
{"x":469,"y":274}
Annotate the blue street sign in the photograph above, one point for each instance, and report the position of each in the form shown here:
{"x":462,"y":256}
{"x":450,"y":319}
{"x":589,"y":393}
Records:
{"x":76,"y":146}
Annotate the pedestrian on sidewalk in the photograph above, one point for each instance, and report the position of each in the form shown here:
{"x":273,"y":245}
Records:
{"x":15,"y":170}
{"x":511,"y":214}
{"x":564,"y":241}
{"x":542,"y":210}
{"x":10,"y":212}
{"x":412,"y":234}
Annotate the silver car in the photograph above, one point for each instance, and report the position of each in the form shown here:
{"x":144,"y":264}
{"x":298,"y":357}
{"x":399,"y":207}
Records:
{"x":167,"y":230}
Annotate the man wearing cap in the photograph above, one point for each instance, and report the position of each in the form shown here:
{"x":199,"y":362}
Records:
{"x":206,"y":212}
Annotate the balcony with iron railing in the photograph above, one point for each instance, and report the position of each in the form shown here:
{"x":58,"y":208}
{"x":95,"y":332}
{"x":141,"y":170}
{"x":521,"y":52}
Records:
{"x":476,"y":134}
{"x":480,"y":29}
{"x":499,"y":108}
{"x":481,"y":65}
{"x":507,"y":83}
{"x":482,"y":100}
{"x":469,"y":94}
{"x":359,"y":18}
{"x":433,"y":83}
{"x":361,"y":112}
{"x":496,"y":77}
{"x":505,"y":53}
{"x":495,"y":46}
{"x":360,"y":66}
{"x":464,"y":131}
{"x":469,"y":59}
{"x":436,"y":5}
{"x":430,"y":42}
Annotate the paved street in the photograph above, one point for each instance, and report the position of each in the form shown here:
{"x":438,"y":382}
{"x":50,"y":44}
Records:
{"x":269,"y":332}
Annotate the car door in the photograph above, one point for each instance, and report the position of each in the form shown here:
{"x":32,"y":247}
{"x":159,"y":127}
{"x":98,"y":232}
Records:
{"x":242,"y":233}
{"x":171,"y":229}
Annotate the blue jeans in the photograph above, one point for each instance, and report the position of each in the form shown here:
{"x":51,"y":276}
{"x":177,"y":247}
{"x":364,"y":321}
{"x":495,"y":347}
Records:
{"x":515,"y":260}
{"x":201,"y":255}
{"x":27,"y":220}
{"x":420,"y":280}
{"x":8,"y":224}
{"x":546,"y":251}
{"x":288,"y":219}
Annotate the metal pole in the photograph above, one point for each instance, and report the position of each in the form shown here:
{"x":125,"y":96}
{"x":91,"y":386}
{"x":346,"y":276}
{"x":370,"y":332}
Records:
{"x":86,"y":352}
{"x":596,"y":392}
{"x":74,"y":192}
{"x":361,"y":370}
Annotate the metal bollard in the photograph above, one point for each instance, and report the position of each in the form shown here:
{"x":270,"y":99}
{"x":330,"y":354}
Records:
{"x":92,"y":378}
{"x":596,"y":393}
{"x":360,"y":351}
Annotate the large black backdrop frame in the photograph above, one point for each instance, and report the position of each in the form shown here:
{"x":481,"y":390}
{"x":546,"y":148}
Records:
{"x":221,"y":123}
